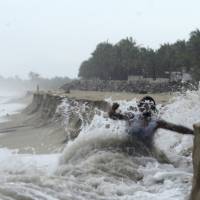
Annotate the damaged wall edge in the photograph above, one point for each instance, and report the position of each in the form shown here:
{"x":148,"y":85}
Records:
{"x":195,"y":193}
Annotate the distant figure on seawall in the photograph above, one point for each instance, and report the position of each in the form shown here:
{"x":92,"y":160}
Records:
{"x":144,"y":124}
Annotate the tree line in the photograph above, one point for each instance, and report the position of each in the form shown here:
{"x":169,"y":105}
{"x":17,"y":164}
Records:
{"x":118,"y":61}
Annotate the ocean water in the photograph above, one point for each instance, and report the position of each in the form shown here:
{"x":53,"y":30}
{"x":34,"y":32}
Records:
{"x":8,"y":106}
{"x":96,"y":166}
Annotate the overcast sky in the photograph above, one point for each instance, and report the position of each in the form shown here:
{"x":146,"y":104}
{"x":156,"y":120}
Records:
{"x":53,"y":37}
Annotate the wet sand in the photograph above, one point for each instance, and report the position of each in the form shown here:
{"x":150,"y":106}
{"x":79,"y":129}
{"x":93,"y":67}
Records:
{"x":21,"y":133}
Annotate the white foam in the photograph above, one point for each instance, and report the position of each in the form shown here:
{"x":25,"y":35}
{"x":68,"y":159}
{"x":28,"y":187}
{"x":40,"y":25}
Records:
{"x":89,"y":169}
{"x":161,"y":181}
{"x":9,"y":107}
{"x":184,"y":110}
{"x":12,"y":162}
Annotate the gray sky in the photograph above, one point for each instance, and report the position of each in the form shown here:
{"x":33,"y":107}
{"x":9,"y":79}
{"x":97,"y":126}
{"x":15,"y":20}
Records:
{"x":52,"y":37}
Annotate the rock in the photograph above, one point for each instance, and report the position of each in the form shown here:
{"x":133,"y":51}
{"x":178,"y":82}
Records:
{"x":141,"y":86}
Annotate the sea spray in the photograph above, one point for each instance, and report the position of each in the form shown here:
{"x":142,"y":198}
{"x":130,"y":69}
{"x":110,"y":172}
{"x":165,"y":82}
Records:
{"x":96,"y":164}
{"x":182,"y":109}
{"x":75,"y":116}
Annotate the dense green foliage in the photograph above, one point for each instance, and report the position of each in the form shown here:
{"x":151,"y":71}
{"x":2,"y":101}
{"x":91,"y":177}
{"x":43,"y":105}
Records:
{"x":125,"y":58}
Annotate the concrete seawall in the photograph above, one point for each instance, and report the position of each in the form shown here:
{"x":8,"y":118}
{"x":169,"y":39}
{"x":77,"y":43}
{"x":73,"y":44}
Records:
{"x":46,"y":108}
{"x":195,"y":194}
{"x":46,"y":104}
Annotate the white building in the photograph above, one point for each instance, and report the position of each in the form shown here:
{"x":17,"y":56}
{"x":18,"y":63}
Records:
{"x":151,"y":80}
{"x":180,"y":76}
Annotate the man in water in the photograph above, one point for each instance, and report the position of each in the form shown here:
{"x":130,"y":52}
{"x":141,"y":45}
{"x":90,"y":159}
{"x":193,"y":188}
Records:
{"x":144,"y":124}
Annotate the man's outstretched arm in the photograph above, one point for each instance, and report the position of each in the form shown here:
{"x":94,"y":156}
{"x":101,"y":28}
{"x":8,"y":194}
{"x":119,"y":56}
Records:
{"x":117,"y":116}
{"x":173,"y":127}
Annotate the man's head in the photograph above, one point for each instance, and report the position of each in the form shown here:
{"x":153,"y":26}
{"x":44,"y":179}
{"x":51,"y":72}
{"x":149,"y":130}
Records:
{"x":147,"y":106}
